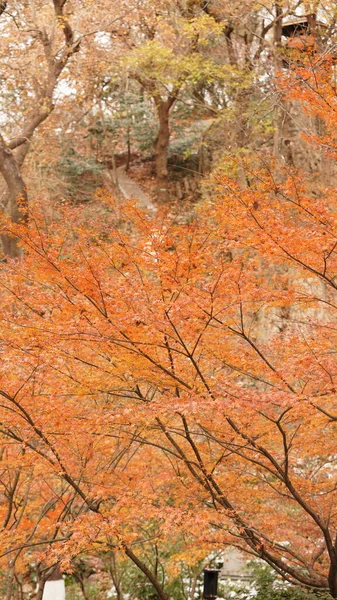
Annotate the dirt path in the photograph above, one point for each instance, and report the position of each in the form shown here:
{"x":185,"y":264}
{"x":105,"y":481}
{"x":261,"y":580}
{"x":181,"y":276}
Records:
{"x":131,"y":190}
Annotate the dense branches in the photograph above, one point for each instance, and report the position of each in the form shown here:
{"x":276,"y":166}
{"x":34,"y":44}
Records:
{"x":169,"y":382}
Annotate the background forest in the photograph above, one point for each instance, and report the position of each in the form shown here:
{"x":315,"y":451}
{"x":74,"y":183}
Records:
{"x":168,"y":297}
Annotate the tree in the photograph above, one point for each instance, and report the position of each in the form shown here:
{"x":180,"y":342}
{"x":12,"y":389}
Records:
{"x":39,"y":75}
{"x":169,"y":53}
{"x":34,"y":111}
{"x":199,"y":361}
{"x":170,"y":357}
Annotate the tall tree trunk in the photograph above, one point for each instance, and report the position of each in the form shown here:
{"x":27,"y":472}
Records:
{"x":162,"y":145}
{"x":277,"y":67}
{"x":16,"y":204}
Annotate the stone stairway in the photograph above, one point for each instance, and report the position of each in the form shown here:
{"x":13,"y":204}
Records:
{"x":132,"y":191}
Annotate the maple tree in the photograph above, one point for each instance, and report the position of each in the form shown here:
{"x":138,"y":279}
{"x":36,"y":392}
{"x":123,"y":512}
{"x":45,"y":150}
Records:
{"x":173,"y":383}
{"x":159,"y":344}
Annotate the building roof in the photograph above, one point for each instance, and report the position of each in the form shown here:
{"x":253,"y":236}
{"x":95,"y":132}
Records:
{"x":301,"y":24}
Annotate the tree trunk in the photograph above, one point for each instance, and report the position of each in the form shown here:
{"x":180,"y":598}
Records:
{"x":277,"y":66}
{"x":10,"y":582}
{"x":116,"y":580}
{"x":150,"y":576}
{"x":332,"y":577}
{"x":16,"y":205}
{"x":194,"y":582}
{"x":128,"y":155}
{"x":162,"y":145}
{"x":82,"y":586}
{"x":40,"y":590}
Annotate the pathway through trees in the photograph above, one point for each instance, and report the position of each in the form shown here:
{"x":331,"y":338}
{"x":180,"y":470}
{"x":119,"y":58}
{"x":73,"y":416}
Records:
{"x":131,"y":190}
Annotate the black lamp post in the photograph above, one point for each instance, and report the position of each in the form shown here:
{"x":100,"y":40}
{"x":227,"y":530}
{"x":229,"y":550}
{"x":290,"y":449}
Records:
{"x":210,"y":584}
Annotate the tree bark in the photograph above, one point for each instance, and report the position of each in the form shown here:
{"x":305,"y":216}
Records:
{"x":16,"y":206}
{"x":162,"y":145}
{"x":114,"y":576}
{"x":332,"y":576}
{"x":10,"y":582}
{"x":150,"y":576}
{"x":40,"y":590}
{"x":82,"y":586}
{"x":277,"y":66}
